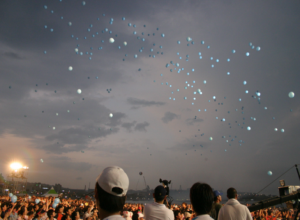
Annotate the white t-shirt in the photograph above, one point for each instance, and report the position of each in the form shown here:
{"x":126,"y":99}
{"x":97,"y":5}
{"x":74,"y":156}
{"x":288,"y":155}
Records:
{"x":156,"y":211}
{"x":203,"y":217}
{"x":114,"y":217}
{"x":127,"y":215}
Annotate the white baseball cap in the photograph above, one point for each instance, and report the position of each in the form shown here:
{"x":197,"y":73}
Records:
{"x":113,"y":177}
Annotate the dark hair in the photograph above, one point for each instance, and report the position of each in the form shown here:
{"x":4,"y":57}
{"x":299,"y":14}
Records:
{"x":66,"y":209}
{"x":108,"y":202}
{"x":4,"y":204}
{"x":30,"y":213}
{"x":202,"y":197}
{"x":17,"y":207}
{"x":58,"y":207}
{"x":159,"y":198}
{"x":269,"y":212}
{"x":22,"y":210}
{"x":30,"y":208}
{"x":231,"y":193}
{"x":65,"y":217}
{"x":73,"y":216}
{"x":50,"y":213}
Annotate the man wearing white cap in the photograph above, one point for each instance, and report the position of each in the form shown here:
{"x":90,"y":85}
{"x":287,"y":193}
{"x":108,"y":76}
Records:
{"x":110,"y":193}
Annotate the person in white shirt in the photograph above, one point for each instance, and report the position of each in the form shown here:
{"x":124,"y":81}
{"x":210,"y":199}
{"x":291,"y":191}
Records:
{"x":110,"y":193}
{"x":157,"y":210}
{"x":233,"y":210}
{"x":202,"y":198}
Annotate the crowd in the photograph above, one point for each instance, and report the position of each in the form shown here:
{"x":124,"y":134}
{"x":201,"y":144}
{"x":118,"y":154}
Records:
{"x":110,"y":197}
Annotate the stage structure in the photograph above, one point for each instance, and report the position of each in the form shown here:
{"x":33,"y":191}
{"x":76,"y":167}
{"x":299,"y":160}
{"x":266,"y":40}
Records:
{"x":18,"y":182}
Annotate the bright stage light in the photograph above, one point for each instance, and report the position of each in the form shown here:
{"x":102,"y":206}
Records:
{"x":15,"y":166}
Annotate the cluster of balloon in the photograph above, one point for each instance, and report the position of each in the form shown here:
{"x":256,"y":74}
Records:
{"x":14,"y":199}
{"x":56,"y":201}
{"x":37,"y":201}
{"x":141,"y":173}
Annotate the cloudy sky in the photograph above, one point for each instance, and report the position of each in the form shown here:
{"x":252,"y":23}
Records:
{"x":161,"y":125}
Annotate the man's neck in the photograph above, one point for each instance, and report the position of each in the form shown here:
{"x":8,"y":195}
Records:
{"x":162,"y":202}
{"x":103,"y":214}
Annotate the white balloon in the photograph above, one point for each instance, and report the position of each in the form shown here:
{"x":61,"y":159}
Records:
{"x":79,"y":91}
{"x":111,"y":40}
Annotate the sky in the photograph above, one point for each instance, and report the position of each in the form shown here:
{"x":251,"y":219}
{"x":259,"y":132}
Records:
{"x":188,"y":103}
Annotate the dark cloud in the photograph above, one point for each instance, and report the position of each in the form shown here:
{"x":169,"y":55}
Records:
{"x":191,"y":121}
{"x":190,"y":144}
{"x":169,"y":116}
{"x":79,"y":178}
{"x":141,"y":126}
{"x":68,"y":164}
{"x":12,"y":55}
{"x":116,"y":119}
{"x":128,"y":125}
{"x":143,"y":103}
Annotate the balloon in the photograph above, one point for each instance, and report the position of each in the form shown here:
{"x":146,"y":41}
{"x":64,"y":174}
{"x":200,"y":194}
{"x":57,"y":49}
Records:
{"x":10,"y":195}
{"x":29,"y":197}
{"x":141,"y":173}
{"x":56,"y":200}
{"x":37,"y":201}
{"x":14,"y":199}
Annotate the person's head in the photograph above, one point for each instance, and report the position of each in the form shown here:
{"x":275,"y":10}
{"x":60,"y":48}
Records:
{"x":66,"y":217}
{"x":16,"y":208}
{"x":160,"y":194}
{"x":22,"y":211}
{"x":184,"y":205}
{"x":110,"y":189}
{"x":75,"y":215}
{"x":269,"y":212}
{"x":202,"y":197}
{"x":231,"y":193}
{"x":30,"y":215}
{"x":51,"y":213}
{"x":59,"y":209}
{"x":36,"y":207}
{"x":4,"y":206}
{"x":217,"y":196}
{"x":68,"y":211}
{"x":95,"y":212}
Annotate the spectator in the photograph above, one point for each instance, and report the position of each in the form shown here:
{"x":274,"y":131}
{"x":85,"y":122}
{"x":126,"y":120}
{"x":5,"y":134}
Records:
{"x":22,"y":213}
{"x":75,"y":215}
{"x":30,"y":215}
{"x":127,"y":215}
{"x":14,"y":214}
{"x":59,"y":211}
{"x":51,"y":214}
{"x":233,"y":210}
{"x":202,"y":197}
{"x":3,"y":209}
{"x":157,"y":210}
{"x":110,"y":193}
{"x":216,"y":205}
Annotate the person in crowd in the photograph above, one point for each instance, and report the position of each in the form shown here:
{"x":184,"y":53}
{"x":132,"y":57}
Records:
{"x":216,"y":205}
{"x":88,"y":212}
{"x":75,"y":215}
{"x":59,"y":210}
{"x":157,"y":209}
{"x":22,"y":213}
{"x":127,"y":214}
{"x":14,"y":214}
{"x":68,"y":211}
{"x":233,"y":210}
{"x":201,"y":197}
{"x":30,"y":215}
{"x":39,"y":215}
{"x":3,"y":209}
{"x":110,"y":193}
{"x":51,"y":214}
{"x":95,"y":214}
